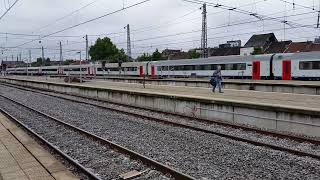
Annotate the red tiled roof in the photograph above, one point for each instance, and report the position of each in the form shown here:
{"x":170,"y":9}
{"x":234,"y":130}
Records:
{"x":298,"y":47}
{"x":277,"y":47}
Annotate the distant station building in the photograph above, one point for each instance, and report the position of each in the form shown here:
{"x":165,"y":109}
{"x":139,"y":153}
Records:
{"x":258,"y":43}
{"x":277,"y":47}
{"x":307,"y":46}
{"x":174,"y":54}
{"x":226,"y":49}
{"x":13,"y":64}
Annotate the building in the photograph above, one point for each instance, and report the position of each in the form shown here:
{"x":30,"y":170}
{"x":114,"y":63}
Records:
{"x":261,"y":40}
{"x":307,"y":46}
{"x":13,"y":64}
{"x":170,"y":52}
{"x":236,"y":43}
{"x":277,"y":47}
{"x":224,"y":51}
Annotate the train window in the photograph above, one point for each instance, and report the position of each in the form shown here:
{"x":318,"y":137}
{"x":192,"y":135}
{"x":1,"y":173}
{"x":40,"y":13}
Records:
{"x":229,"y":67}
{"x":49,"y":69}
{"x":214,"y":66}
{"x":316,"y":65}
{"x":197,"y":67}
{"x":223,"y":66}
{"x":241,"y":66}
{"x":163,"y":68}
{"x":309,"y":65}
{"x":207,"y":67}
{"x":189,"y":68}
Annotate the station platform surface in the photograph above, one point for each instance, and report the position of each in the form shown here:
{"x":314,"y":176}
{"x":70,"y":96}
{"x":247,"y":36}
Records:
{"x":21,"y":158}
{"x":275,"y":82}
{"x":297,"y":101}
{"x":257,"y":97}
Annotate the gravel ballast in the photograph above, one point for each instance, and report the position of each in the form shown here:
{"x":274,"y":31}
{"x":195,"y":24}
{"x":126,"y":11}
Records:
{"x":101,"y":159}
{"x":199,"y":154}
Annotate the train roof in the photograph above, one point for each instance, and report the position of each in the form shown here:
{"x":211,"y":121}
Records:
{"x":218,"y":59}
{"x":299,"y":56}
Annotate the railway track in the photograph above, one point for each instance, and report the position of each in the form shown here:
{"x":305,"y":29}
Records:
{"x":107,"y":146}
{"x":99,"y":110}
{"x":200,"y":129}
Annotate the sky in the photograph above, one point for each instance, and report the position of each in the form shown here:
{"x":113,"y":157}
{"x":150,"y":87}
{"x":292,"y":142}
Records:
{"x":173,"y":24}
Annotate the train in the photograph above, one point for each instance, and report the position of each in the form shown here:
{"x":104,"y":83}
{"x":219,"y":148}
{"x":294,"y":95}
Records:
{"x":285,"y":66}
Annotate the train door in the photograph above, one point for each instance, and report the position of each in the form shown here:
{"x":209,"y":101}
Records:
{"x":141,"y":71}
{"x":152,"y":72}
{"x":256,"y":70}
{"x":60,"y":71}
{"x":286,"y":70}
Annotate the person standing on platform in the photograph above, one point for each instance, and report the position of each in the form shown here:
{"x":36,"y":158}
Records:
{"x":218,"y":79}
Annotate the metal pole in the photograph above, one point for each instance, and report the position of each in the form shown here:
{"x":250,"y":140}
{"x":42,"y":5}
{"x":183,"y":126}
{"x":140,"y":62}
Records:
{"x":80,"y":68}
{"x":29,"y":62}
{"x":61,"y":59}
{"x":128,"y":42}
{"x":42,"y":59}
{"x":42,"y":56}
{"x":87,"y":54}
{"x":204,"y":35}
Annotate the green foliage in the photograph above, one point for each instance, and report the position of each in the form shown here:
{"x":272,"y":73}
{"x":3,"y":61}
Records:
{"x":68,"y":62}
{"x":192,"y":54}
{"x":156,"y":55}
{"x":257,"y":50}
{"x":39,"y":62}
{"x":144,"y":57}
{"x":47,"y":62}
{"x":104,"y":49}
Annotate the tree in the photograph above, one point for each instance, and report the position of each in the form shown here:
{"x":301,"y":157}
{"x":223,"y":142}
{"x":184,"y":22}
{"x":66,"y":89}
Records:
{"x":68,"y":62}
{"x":156,"y":55}
{"x":47,"y":62}
{"x":144,"y":57}
{"x":104,"y":49}
{"x":257,"y":50}
{"x":193,"y":54}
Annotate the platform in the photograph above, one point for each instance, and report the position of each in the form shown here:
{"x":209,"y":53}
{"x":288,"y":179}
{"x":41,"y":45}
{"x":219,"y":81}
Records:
{"x":298,"y":87}
{"x":21,"y":158}
{"x":296,"y":113}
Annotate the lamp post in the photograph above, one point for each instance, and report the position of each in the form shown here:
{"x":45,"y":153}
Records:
{"x":80,"y":67}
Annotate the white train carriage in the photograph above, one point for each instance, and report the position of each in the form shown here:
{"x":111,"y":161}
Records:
{"x":297,"y":66}
{"x":126,"y":69}
{"x":24,"y":71}
{"x":256,"y":67}
{"x":75,"y":70}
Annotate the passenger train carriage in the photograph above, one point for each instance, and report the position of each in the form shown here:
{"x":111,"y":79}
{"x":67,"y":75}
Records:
{"x":297,"y":66}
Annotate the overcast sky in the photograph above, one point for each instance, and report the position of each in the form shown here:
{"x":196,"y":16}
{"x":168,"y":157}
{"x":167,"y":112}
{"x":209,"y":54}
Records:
{"x":161,"y":24}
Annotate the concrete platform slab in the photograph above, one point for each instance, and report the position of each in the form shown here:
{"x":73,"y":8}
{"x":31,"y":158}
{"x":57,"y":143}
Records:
{"x":22,"y":158}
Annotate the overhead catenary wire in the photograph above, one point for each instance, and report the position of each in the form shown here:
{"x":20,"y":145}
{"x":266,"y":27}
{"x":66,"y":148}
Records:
{"x":88,"y":21}
{"x":241,"y":11}
{"x":300,"y":5}
{"x":10,"y":7}
{"x":69,"y":14}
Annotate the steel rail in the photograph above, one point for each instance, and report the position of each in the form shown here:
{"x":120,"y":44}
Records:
{"x":159,"y":166}
{"x":151,"y":118}
{"x":51,"y":146}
